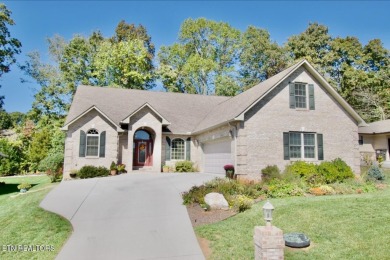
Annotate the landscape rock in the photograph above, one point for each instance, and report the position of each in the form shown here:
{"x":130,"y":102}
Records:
{"x":216,"y":201}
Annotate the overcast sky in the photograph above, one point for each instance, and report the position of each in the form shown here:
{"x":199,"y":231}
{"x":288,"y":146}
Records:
{"x":38,"y":20}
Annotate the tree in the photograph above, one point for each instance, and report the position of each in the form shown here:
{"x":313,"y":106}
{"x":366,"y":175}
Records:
{"x":312,"y":44}
{"x":5,"y":120}
{"x":205,"y":55}
{"x":260,"y":58}
{"x":125,"y":60}
{"x":9,"y":46}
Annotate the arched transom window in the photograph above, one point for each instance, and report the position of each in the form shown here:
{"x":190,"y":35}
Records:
{"x":178,"y":149}
{"x":92,"y":143}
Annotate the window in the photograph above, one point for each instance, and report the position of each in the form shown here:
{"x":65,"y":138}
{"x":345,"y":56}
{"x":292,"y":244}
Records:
{"x":302,"y":96}
{"x":177,"y":149}
{"x":92,"y":143}
{"x":299,"y":145}
{"x":361,"y":140}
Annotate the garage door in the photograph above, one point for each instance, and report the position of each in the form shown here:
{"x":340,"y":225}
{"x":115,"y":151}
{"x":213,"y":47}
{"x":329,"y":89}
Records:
{"x":217,"y":155}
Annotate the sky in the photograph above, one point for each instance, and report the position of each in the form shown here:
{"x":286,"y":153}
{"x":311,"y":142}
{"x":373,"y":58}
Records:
{"x":38,"y":20}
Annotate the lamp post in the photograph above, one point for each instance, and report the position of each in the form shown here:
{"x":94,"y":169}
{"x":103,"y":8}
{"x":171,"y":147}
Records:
{"x":267,"y":211}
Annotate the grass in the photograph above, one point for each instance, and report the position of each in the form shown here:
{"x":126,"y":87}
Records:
{"x":23,"y":222}
{"x":340,"y":227}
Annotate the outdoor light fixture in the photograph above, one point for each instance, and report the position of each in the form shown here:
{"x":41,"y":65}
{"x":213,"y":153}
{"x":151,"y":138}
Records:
{"x":267,"y":211}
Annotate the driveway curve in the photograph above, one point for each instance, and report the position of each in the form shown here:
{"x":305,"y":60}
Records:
{"x":130,"y":216}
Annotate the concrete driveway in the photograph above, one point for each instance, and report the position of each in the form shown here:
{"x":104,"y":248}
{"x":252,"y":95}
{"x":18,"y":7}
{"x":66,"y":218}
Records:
{"x":130,"y":216}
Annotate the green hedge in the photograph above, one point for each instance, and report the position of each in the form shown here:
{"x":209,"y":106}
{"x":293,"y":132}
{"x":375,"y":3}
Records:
{"x":90,"y":171}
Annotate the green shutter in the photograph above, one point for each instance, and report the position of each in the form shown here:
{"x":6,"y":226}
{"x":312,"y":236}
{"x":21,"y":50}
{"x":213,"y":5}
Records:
{"x":188,"y":149}
{"x":311,"y":97}
{"x":286,"y":146}
{"x":82,"y":145}
{"x":292,"y":95}
{"x":167,"y":149}
{"x":102,"y":150}
{"x":320,"y":146}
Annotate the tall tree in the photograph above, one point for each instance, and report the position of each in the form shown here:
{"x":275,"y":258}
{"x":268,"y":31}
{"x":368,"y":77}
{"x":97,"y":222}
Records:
{"x":260,"y":58}
{"x":9,"y":46}
{"x":121,"y":61}
{"x":203,"y":60}
{"x":312,"y":44}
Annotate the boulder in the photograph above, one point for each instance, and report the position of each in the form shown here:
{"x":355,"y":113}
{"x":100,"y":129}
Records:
{"x":216,"y":201}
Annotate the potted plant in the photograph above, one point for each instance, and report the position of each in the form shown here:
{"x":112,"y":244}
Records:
{"x":165,"y":168}
{"x":73,"y":173}
{"x":23,"y":187}
{"x":113,"y":168}
{"x":121,"y":168}
{"x":229,"y":169}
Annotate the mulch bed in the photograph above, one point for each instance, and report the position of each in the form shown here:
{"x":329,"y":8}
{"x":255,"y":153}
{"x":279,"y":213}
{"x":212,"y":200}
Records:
{"x":200,"y":217}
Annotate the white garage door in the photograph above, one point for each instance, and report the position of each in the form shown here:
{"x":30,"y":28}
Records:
{"x":216,"y":155}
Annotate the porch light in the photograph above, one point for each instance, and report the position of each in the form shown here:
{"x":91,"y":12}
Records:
{"x":267,"y":211}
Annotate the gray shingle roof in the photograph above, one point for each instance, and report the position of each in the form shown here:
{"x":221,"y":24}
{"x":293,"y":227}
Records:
{"x":377,"y":127}
{"x":187,"y":113}
{"x":183,"y":111}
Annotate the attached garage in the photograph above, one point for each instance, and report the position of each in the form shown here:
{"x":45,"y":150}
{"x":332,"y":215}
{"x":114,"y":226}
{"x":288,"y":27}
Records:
{"x":216,"y":155}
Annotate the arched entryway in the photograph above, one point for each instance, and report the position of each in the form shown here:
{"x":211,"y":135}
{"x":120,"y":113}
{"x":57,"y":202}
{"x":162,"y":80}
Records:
{"x":143,"y":148}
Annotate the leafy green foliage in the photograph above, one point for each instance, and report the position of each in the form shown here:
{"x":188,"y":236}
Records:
{"x":227,"y":187}
{"x":24,"y":186}
{"x":375,"y":173}
{"x":241,"y":202}
{"x":11,"y":164}
{"x":90,"y":171}
{"x":184,"y":166}
{"x":5,"y":120}
{"x":52,"y":165}
{"x":326,"y":172}
{"x":39,"y":147}
{"x":203,"y":60}
{"x":270,"y":172}
{"x":279,"y":188}
{"x":260,"y":58}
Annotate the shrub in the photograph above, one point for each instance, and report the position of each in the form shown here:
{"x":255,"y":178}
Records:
{"x":241,"y":202}
{"x":90,"y":171}
{"x":113,"y":166}
{"x":121,"y":168}
{"x":305,"y":170}
{"x":24,"y":185}
{"x":270,"y":172}
{"x":227,"y":187}
{"x":52,"y":165}
{"x":325,"y":173}
{"x":280,"y":188}
{"x":375,"y":173}
{"x":184,"y":166}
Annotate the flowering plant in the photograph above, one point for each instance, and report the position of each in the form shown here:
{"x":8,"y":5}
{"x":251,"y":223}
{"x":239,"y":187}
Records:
{"x":121,"y":167}
{"x":228,"y":167}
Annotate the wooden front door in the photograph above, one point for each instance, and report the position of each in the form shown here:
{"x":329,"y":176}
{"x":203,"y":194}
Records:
{"x":143,"y":153}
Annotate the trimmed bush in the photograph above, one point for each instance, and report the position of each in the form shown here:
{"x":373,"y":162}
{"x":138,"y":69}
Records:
{"x":325,"y":173}
{"x":52,"y":165}
{"x":184,"y":166}
{"x":90,"y":171}
{"x":241,"y":202}
{"x":375,"y":173}
{"x":270,"y":172}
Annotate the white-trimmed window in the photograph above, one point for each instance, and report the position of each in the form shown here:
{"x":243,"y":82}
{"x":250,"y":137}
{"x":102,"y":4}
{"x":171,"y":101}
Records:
{"x":92,"y":143}
{"x":300,"y":145}
{"x":178,"y":149}
{"x":302,"y":96}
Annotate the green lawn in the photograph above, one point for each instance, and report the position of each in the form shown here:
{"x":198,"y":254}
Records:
{"x":23,"y":222}
{"x":340,"y":227}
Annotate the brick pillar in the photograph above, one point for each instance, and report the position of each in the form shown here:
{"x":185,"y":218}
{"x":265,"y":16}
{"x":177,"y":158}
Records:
{"x":269,"y":243}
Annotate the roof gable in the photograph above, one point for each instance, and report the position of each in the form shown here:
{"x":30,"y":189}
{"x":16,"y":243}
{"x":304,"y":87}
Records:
{"x":163,"y":120}
{"x":235,"y":108}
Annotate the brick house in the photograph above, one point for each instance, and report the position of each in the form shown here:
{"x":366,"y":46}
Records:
{"x":294,"y":115}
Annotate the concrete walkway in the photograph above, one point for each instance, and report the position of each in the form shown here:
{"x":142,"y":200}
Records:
{"x":130,"y":216}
